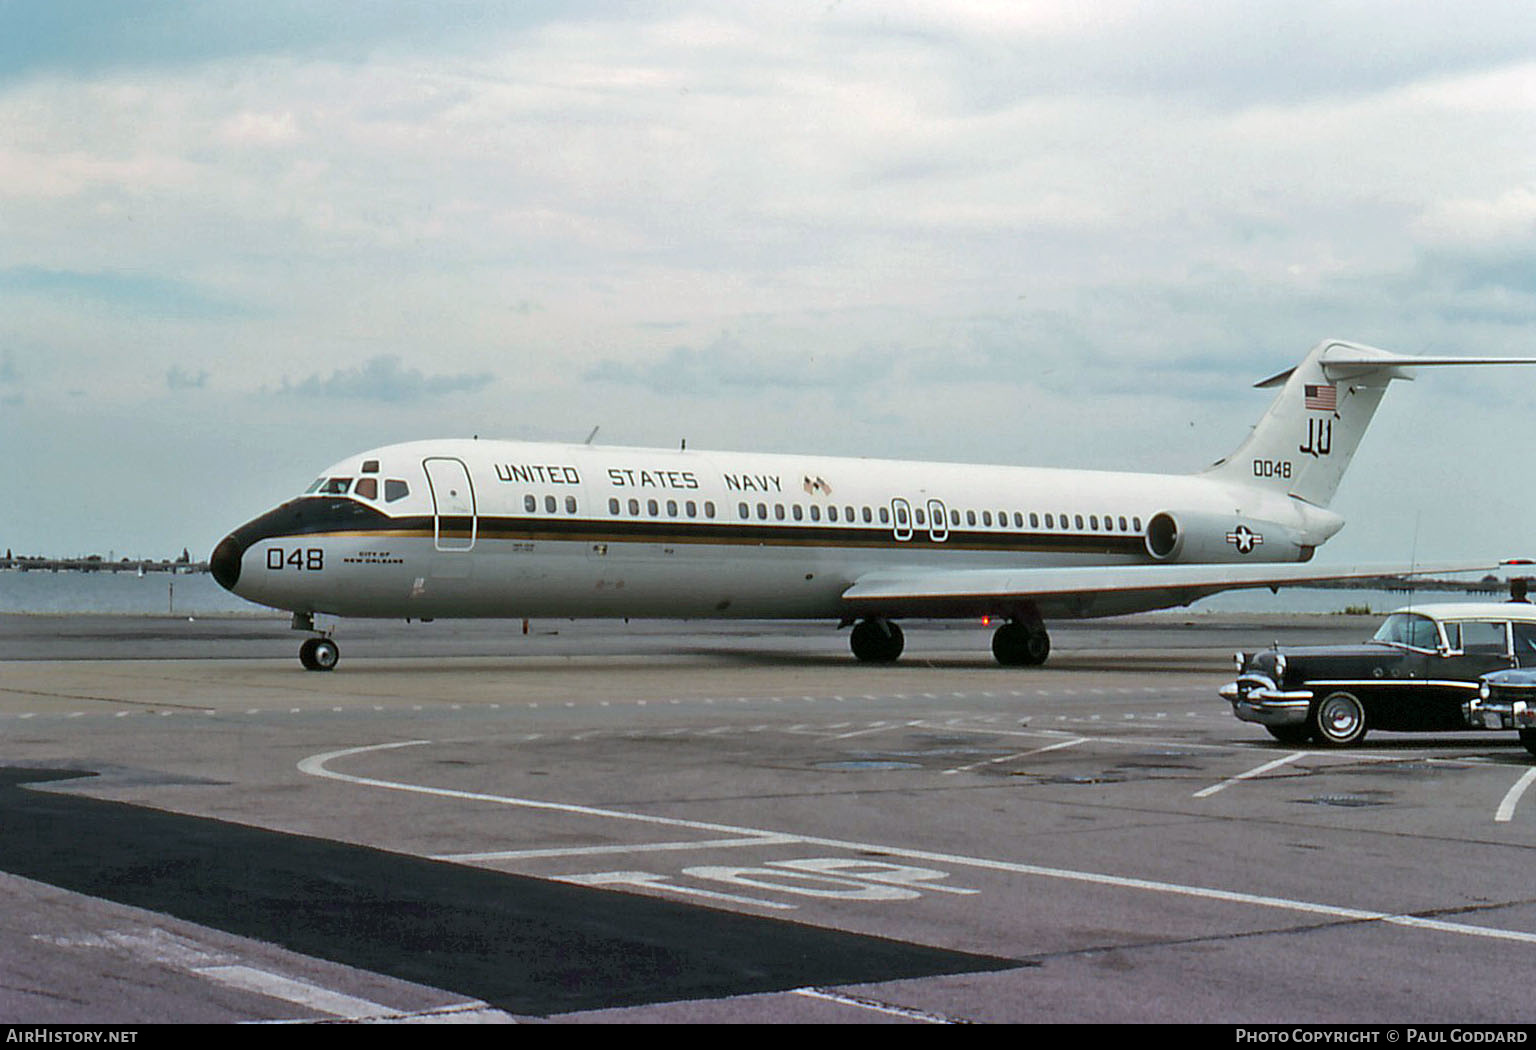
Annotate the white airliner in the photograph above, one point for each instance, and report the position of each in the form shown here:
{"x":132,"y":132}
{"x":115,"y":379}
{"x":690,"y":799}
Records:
{"x":468,"y":528}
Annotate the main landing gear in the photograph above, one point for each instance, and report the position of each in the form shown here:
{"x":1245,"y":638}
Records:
{"x":1017,"y":643}
{"x":316,"y":654}
{"x":1021,"y":643}
{"x":877,"y":641}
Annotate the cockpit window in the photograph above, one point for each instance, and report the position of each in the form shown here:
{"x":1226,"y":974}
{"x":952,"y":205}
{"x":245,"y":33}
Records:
{"x":315,"y":487}
{"x":368,"y":488}
{"x":370,"y":466}
{"x":395,"y":489}
{"x":1409,"y":629}
{"x":336,"y":486}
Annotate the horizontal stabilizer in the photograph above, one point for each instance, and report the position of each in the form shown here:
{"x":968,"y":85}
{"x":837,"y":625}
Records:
{"x":1090,"y":590}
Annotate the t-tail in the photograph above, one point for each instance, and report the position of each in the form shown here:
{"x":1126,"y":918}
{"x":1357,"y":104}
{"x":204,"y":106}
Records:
{"x":1304,"y":442}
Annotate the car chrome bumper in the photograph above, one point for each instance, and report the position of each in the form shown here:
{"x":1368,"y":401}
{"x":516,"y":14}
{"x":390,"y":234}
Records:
{"x":1499,"y":714}
{"x":1256,"y":698}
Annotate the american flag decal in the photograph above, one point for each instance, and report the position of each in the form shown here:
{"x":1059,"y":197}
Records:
{"x":1323,"y":398}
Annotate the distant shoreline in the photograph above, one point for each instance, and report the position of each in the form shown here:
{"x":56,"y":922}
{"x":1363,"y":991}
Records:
{"x":97,"y":564}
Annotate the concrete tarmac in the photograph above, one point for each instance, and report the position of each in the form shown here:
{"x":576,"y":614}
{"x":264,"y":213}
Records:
{"x":730,"y":822}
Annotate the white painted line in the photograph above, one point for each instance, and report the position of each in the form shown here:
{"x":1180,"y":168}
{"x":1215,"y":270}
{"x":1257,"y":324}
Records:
{"x":292,"y":990}
{"x":1015,"y":757}
{"x":596,"y":851}
{"x":844,"y":999}
{"x":1506,"y":810}
{"x":877,"y":727}
{"x":315,"y":765}
{"x":1257,"y":771}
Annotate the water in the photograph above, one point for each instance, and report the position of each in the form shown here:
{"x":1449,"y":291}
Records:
{"x":196,"y":594}
{"x":127,"y":593}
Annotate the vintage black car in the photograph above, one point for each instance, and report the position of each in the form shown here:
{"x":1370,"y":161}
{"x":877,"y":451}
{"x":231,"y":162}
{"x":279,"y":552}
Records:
{"x":1417,"y":673}
{"x":1506,"y":700}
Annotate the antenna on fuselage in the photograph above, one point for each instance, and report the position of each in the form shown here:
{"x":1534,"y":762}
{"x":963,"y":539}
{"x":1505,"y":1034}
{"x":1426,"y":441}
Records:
{"x":593,"y":434}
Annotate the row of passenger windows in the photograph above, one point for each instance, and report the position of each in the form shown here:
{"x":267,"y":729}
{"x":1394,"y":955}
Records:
{"x":674,"y":508}
{"x":394,"y":489}
{"x":855,"y":515}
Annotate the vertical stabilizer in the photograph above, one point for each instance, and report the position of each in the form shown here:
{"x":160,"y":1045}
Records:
{"x":1306,"y":439}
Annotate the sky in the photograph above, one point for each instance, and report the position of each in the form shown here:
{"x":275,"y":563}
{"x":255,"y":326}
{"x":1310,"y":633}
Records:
{"x":240,"y":242}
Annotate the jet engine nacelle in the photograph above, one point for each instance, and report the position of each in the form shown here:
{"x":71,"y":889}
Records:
{"x":1202,"y":537}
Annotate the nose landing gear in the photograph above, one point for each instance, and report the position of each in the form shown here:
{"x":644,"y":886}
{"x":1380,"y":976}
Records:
{"x":319,"y":654}
{"x":316,"y":654}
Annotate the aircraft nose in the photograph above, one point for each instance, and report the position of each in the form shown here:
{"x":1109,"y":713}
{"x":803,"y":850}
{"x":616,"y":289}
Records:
{"x":224,"y":563}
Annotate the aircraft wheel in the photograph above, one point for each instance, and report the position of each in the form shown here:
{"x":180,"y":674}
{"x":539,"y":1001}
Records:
{"x":1016,"y":644}
{"x":876,"y":641}
{"x":319,"y":654}
{"x":1338,"y":720}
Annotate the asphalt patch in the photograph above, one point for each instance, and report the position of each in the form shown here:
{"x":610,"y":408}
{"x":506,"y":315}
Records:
{"x":524,"y":945}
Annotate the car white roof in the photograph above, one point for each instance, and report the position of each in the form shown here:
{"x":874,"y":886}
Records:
{"x":1473,"y":610}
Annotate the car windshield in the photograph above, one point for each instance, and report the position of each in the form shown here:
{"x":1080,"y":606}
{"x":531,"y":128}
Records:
{"x":1410,"y":629}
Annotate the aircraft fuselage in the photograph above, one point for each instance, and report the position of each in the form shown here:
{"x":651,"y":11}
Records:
{"x":462,"y":528}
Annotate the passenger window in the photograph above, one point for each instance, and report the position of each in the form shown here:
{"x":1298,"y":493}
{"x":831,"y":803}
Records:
{"x":671,"y":508}
{"x":1525,"y":638}
{"x":1453,"y":635}
{"x":634,"y":508}
{"x":1409,"y":629}
{"x":1482,"y":637}
{"x":986,"y":518}
{"x":799,"y":512}
{"x":530,"y":504}
{"x":815,"y":512}
{"x":395,"y":489}
{"x":613,"y":506}
{"x":652,"y":508}
{"x":743,"y":511}
{"x":691,"y":508}
{"x":832,"y":512}
{"x":550,"y":504}
{"x":368,"y":488}
{"x":762,"y":512}
{"x":709,"y":508}
{"x":1034,"y":520}
{"x":570,"y":504}
{"x":778,"y":511}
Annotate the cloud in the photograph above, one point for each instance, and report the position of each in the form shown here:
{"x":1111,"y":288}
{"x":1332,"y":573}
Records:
{"x":178,"y":378}
{"x":382,"y":379}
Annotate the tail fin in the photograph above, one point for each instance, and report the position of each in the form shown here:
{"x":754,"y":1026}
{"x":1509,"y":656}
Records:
{"x":1305,"y":441}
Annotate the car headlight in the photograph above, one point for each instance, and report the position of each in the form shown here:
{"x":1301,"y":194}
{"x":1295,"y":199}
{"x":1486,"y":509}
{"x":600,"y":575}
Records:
{"x":1483,"y":690}
{"x":1280,"y":668}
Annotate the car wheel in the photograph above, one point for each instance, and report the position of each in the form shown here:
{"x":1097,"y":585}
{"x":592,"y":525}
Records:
{"x":1528,"y":738}
{"x":1290,"y":734}
{"x":1338,"y":720}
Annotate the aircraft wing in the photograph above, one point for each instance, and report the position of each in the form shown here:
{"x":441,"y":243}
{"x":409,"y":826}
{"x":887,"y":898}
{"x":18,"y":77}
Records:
{"x":1087,"y":591}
